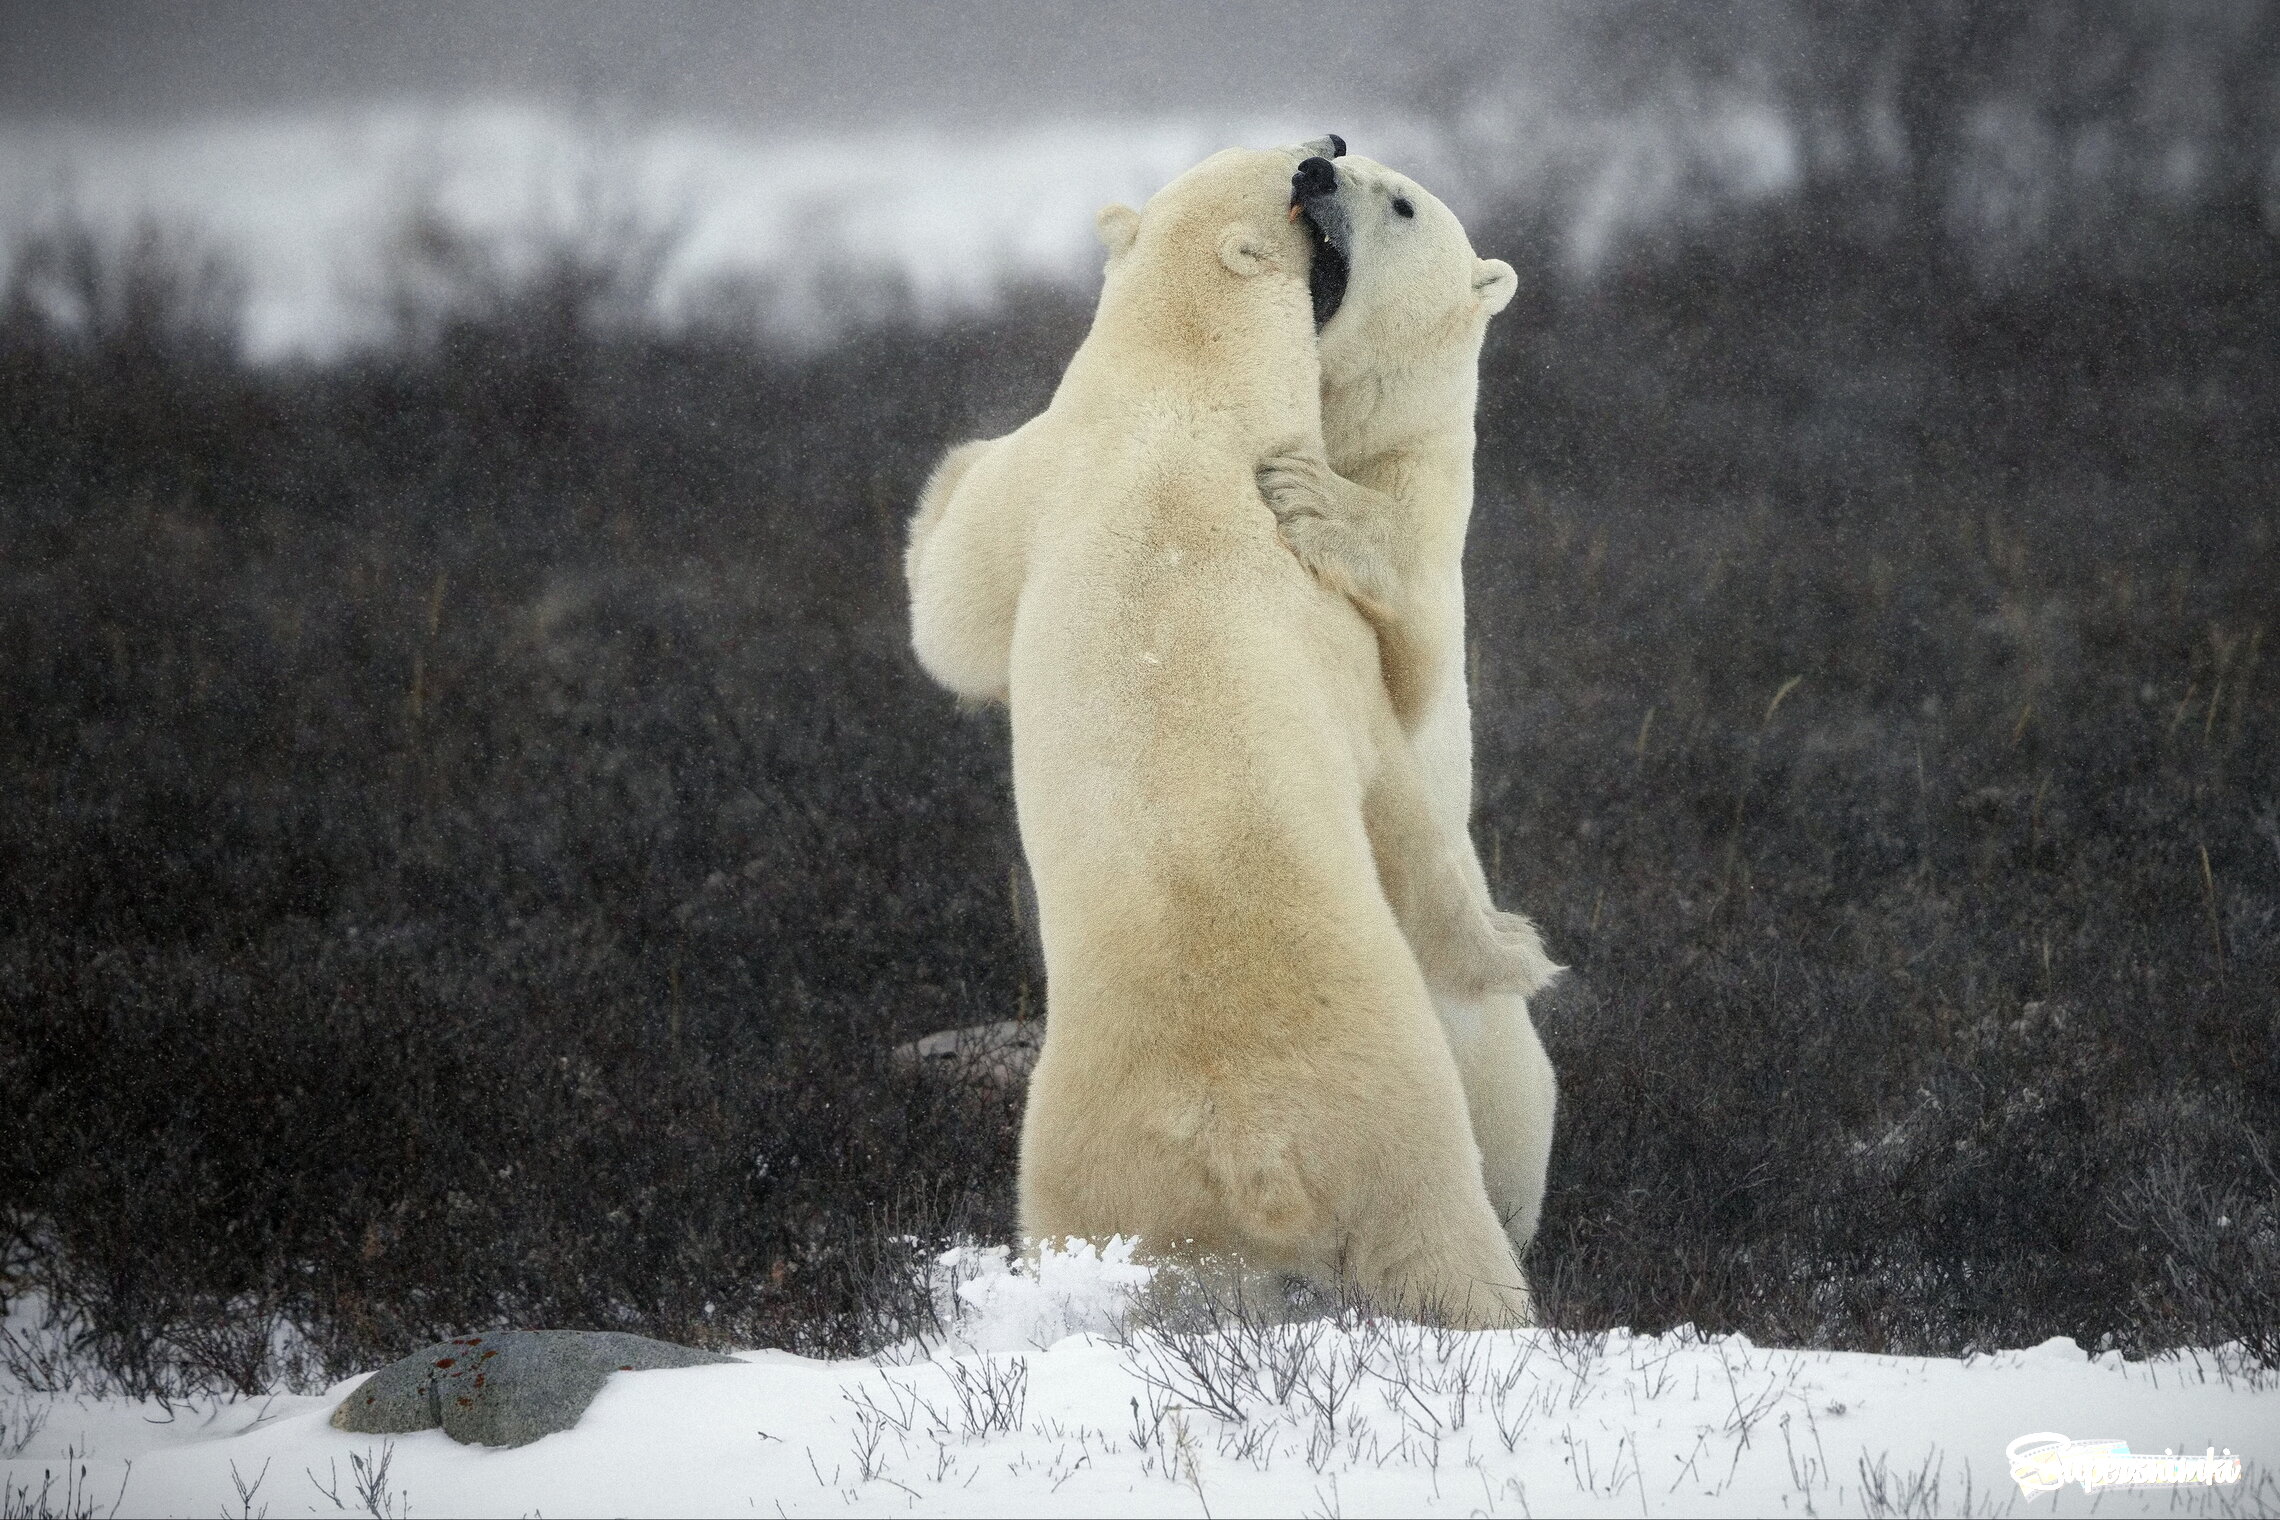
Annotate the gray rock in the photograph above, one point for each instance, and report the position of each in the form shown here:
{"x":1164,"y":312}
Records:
{"x":999,"y":1054}
{"x":505,"y":1388}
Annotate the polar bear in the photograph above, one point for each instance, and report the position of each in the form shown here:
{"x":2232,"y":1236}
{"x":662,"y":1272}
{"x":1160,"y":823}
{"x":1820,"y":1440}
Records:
{"x":1400,"y":350}
{"x":1232,"y":848}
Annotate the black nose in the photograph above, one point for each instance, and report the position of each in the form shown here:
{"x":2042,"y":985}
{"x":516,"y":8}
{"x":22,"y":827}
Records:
{"x":1337,"y":146}
{"x":1314,"y":179}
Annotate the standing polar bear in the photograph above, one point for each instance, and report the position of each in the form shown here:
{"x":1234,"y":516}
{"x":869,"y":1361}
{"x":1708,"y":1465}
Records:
{"x":1229,"y":832}
{"x":1400,"y":380}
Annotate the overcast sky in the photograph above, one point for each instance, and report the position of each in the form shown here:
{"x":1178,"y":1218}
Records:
{"x":846,"y":62}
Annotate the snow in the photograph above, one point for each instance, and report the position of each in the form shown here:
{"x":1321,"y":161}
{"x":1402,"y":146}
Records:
{"x":1038,"y":1403}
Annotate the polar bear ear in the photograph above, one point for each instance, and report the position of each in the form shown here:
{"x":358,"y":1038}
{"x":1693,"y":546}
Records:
{"x":1242,"y":251}
{"x":1494,"y":284}
{"x":1117,"y":226}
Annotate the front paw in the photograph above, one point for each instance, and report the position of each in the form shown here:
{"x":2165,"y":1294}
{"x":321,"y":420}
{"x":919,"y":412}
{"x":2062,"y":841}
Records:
{"x":1514,"y":960}
{"x":1325,"y":521}
{"x":1297,"y":486}
{"x":1516,"y":933}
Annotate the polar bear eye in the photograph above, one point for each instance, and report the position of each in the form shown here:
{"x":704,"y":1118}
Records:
{"x":1401,"y":206}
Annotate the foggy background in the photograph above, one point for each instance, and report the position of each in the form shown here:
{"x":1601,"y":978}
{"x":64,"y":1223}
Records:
{"x":476,"y":831}
{"x":953,"y":149}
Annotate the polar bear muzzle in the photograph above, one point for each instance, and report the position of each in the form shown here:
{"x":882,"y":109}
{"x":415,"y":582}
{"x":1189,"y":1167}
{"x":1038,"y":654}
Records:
{"x":1314,"y":197}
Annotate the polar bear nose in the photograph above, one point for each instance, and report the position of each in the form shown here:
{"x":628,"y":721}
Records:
{"x":1314,"y":178}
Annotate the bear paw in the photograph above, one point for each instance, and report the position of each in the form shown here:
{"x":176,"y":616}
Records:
{"x":1512,"y":957}
{"x":1298,"y":485}
{"x":1325,"y":519}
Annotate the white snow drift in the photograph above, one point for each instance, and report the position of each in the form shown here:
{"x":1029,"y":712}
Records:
{"x":1039,"y":1403}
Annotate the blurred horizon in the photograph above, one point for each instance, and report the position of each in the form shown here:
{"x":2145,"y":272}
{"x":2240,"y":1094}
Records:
{"x":933,"y":159}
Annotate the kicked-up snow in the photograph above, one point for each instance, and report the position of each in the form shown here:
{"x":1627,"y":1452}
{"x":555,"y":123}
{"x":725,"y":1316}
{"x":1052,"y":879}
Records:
{"x":1046,"y":1398}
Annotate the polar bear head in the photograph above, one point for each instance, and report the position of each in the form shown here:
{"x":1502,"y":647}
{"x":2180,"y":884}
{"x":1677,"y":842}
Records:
{"x":1233,"y":211}
{"x":1216,"y":268}
{"x":1401,"y":299}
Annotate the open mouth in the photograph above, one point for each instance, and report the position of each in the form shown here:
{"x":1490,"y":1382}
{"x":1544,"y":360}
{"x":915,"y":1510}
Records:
{"x":1314,"y":199}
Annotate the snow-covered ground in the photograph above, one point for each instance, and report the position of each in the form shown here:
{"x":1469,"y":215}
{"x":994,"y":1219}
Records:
{"x":1040,"y":1406}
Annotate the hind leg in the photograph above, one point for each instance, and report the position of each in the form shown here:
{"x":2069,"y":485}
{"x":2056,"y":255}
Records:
{"x":1438,"y":1251}
{"x":1397,"y":1168}
{"x":1513,"y":1097}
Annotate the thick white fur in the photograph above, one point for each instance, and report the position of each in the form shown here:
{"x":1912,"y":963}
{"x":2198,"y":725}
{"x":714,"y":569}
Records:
{"x":1232,"y":846}
{"x":1400,"y":375}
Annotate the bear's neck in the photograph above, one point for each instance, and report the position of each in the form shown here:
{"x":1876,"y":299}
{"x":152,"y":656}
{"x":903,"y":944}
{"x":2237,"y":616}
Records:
{"x":1412,"y":397}
{"x":1240,"y":354}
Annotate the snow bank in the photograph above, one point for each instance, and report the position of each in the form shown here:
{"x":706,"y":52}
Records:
{"x":997,"y":1303}
{"x":1040,"y":1405}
